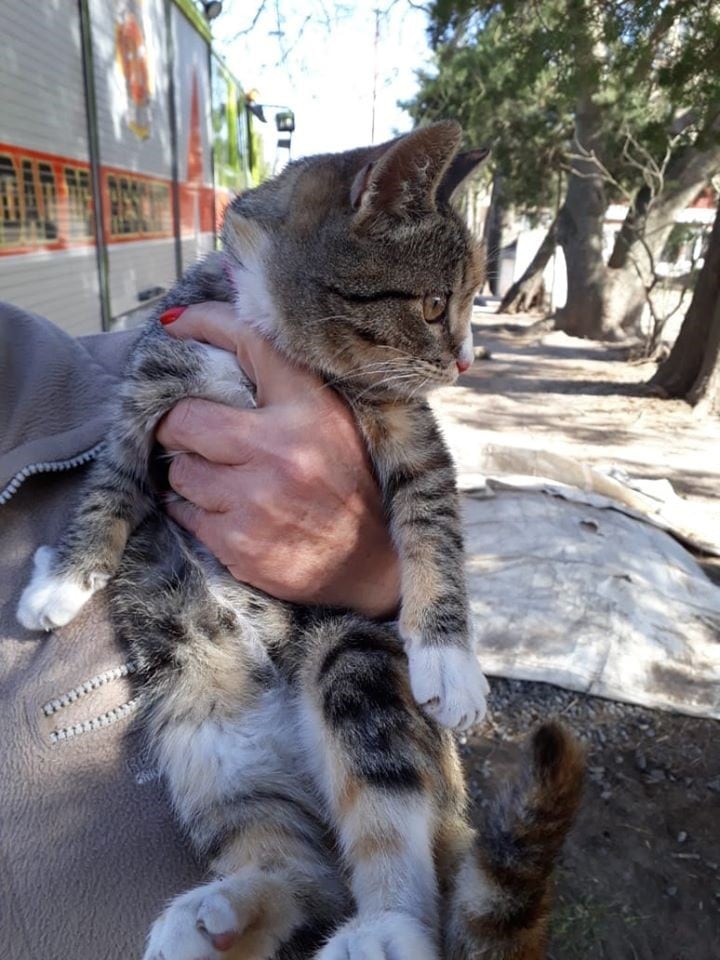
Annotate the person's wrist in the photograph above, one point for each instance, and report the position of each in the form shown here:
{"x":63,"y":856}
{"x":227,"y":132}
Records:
{"x":377,"y":593}
{"x":386,"y":606}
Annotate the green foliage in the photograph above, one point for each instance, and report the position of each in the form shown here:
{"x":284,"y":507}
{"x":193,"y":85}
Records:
{"x":259,"y":167}
{"x":516,"y":73}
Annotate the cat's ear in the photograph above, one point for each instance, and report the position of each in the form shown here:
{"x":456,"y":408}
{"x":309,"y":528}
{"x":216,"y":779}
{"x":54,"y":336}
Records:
{"x":407,"y":174}
{"x":459,"y":170}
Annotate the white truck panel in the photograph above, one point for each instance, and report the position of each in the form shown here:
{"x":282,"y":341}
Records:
{"x":139,"y":266}
{"x":133,"y":135}
{"x":133,"y":120}
{"x":191,"y":67}
{"x":196,"y":246}
{"x":61,"y":285}
{"x":42,"y":108}
{"x":42,"y":95}
{"x":48,"y":259}
{"x":195,"y":172}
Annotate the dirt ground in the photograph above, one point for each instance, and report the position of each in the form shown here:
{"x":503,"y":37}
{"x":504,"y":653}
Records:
{"x":640,"y":875}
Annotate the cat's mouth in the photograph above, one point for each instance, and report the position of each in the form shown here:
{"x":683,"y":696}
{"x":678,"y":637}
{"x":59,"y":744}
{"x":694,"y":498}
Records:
{"x":454,"y":368}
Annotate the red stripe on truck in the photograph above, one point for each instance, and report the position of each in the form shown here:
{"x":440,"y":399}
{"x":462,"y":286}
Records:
{"x":46,"y":203}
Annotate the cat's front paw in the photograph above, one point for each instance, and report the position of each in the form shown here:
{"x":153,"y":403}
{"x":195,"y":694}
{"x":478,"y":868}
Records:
{"x":52,"y":599}
{"x":448,"y":684}
{"x":385,"y":936}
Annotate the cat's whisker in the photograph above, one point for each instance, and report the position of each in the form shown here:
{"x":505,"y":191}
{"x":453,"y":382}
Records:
{"x":337,"y":354}
{"x":385,"y":381}
{"x":403,"y":353}
{"x":380,"y":346}
{"x":386,"y":376}
{"x":419,"y":387}
{"x":398,"y":371}
{"x":376,"y":368}
{"x":397,"y":378}
{"x":413,"y":358}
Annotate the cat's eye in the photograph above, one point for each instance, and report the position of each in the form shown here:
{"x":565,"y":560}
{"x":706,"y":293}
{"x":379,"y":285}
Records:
{"x":434,"y":306}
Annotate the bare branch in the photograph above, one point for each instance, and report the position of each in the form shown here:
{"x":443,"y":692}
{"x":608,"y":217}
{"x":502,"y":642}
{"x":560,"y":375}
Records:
{"x":635,"y":155}
{"x":640,"y":252}
{"x":253,"y":22}
{"x":589,"y":156}
{"x":285,"y":53}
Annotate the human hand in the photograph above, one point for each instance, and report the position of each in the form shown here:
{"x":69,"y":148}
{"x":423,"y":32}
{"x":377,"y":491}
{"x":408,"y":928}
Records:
{"x":282,"y":495}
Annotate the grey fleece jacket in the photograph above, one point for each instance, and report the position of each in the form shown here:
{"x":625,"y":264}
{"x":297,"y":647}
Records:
{"x":89,"y":851}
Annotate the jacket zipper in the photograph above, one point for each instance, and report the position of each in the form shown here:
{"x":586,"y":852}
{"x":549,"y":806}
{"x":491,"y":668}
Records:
{"x":48,"y":466}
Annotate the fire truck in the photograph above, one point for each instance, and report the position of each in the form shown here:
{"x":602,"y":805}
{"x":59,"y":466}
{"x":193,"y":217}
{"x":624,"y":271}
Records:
{"x":122,"y":137}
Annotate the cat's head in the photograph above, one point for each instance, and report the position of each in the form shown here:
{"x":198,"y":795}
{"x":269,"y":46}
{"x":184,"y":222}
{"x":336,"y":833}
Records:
{"x":356,"y":264}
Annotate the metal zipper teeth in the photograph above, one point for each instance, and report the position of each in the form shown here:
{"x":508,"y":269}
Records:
{"x":96,"y":723}
{"x":65,"y":699}
{"x":48,"y":466}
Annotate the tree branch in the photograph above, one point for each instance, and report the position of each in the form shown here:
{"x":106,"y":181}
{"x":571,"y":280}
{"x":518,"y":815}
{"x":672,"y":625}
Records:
{"x":253,"y":22}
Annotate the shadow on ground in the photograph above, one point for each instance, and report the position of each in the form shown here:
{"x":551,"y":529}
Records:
{"x":584,"y":400}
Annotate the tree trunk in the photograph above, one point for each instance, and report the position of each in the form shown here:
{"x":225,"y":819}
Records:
{"x":580,"y":235}
{"x":692,"y":370}
{"x":705,"y":392}
{"x":643,"y":235}
{"x":493,"y":235}
{"x":625,"y":299}
{"x":580,"y":230}
{"x":522,"y":293}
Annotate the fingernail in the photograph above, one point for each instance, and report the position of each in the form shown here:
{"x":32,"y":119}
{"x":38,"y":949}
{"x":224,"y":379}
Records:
{"x":170,"y":316}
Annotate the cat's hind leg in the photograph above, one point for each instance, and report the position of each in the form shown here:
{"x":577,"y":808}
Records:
{"x":248,"y":914}
{"x":242,"y":800}
{"x":222,"y":722}
{"x":375,"y":760}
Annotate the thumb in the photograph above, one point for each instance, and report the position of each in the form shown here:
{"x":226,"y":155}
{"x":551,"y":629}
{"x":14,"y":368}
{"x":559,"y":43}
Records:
{"x":217,"y":323}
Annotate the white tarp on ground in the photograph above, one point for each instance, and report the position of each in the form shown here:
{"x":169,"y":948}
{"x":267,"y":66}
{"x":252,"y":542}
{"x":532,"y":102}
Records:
{"x":573,"y":580}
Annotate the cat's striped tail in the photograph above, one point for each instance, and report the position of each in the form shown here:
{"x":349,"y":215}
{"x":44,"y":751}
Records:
{"x":499,"y":906}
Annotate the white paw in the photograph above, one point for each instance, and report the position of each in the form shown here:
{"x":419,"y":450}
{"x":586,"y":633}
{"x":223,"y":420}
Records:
{"x":199,"y":925}
{"x":386,"y":936}
{"x":448,"y":684}
{"x":245,"y":911}
{"x":226,"y":382}
{"x":52,"y":600}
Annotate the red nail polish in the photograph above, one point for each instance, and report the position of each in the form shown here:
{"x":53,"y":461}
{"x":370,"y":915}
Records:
{"x":170,"y":316}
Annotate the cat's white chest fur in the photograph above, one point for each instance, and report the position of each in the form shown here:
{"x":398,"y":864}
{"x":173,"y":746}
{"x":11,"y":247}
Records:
{"x":253,"y":301}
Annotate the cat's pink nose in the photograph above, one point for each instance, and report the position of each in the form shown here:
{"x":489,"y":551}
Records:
{"x":462,"y":365}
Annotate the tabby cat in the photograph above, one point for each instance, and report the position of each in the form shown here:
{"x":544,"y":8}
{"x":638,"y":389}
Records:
{"x":329,"y":804}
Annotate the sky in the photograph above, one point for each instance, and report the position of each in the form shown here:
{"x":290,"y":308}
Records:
{"x":320,"y":59}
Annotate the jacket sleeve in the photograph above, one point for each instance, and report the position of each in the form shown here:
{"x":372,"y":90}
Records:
{"x":53,"y":394}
